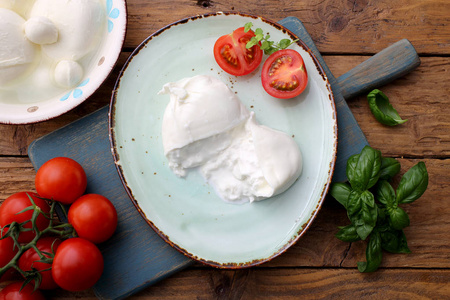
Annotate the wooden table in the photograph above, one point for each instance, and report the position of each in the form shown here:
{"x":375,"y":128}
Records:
{"x":319,"y":265}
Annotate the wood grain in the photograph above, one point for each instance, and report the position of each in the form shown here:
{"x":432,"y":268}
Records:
{"x":292,"y":283}
{"x":358,"y":26}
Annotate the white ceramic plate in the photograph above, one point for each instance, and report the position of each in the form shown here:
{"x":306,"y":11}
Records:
{"x":186,"y":212}
{"x":23,"y":103}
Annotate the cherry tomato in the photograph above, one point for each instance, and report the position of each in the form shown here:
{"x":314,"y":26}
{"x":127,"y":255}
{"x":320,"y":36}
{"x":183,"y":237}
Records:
{"x":232,"y":55}
{"x":77,"y":265}
{"x":7,"y":252}
{"x":284,"y":74}
{"x":12,"y":292}
{"x":9,"y":212}
{"x":93,"y":217}
{"x":30,"y":260}
{"x":61,"y":179}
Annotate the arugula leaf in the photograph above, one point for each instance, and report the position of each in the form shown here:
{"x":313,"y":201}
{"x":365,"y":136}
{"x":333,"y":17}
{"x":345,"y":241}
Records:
{"x":385,"y":194}
{"x":340,"y":192}
{"x":413,"y":184}
{"x":362,"y":212}
{"x":389,"y":168}
{"x":394,"y":241}
{"x":363,"y":170}
{"x":382,"y":109}
{"x":374,"y":254}
{"x":398,"y":218}
{"x":348,"y":234}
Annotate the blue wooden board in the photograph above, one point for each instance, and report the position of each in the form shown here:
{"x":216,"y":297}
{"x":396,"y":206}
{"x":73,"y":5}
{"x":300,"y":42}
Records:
{"x":136,"y":257}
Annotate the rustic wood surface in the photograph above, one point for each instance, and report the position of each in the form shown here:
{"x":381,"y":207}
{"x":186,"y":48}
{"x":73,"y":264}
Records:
{"x":319,"y":266}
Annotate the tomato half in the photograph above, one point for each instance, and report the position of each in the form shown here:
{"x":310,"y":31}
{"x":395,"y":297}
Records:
{"x":284,"y":74}
{"x":13,"y":292}
{"x":7,"y":252}
{"x":30,"y":260}
{"x":9,"y":212}
{"x":61,"y":179}
{"x":77,"y":265}
{"x":232,"y":55}
{"x":93,"y":217}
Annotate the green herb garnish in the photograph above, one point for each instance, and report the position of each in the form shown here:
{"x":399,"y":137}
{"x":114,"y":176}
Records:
{"x":381,"y":108}
{"x":267,"y":46}
{"x":372,"y":203}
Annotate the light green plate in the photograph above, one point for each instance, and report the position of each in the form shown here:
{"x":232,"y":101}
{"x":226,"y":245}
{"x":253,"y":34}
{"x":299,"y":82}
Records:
{"x":186,"y":212}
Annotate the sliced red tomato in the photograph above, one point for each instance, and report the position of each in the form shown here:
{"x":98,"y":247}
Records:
{"x":14,"y":204}
{"x":232,"y":55}
{"x":93,"y":217}
{"x":284,"y":74}
{"x":31,"y":260}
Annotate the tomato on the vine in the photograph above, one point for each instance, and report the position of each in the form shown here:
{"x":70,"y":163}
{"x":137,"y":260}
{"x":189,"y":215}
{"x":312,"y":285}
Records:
{"x":7,"y":252}
{"x":10,"y":208}
{"x":77,"y":265}
{"x":13,"y":292}
{"x":30,"y":260}
{"x":61,"y":179}
{"x":233,"y":57}
{"x":93,"y":217}
{"x":284,"y":74}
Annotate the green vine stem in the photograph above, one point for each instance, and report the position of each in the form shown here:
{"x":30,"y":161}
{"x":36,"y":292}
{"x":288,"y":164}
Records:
{"x":55,"y":228}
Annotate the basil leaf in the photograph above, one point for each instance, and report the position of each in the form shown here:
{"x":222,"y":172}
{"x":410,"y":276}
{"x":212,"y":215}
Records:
{"x":382,"y":109}
{"x":385,"y":194}
{"x":374,"y":254}
{"x":363,"y":170}
{"x":398,"y":218}
{"x":348,"y":234}
{"x":413,"y":184}
{"x":389,"y":168}
{"x":340,"y":192}
{"x":394,"y":241}
{"x":362,"y":212}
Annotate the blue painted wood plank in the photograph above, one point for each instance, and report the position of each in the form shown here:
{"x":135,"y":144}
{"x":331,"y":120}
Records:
{"x":136,"y":256}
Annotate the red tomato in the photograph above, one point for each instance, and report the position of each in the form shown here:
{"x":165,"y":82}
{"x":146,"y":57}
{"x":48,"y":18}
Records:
{"x":7,"y":252}
{"x":9,"y":212}
{"x":284,"y":74}
{"x":232,"y":55}
{"x":61,"y":179}
{"x":12,"y":292}
{"x":77,"y":265}
{"x":93,"y":217}
{"x":30,"y":260}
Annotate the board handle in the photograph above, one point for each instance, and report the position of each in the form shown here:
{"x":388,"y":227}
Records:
{"x":389,"y":64}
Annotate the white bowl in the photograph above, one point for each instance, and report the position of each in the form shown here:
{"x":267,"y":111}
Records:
{"x":24,"y":110}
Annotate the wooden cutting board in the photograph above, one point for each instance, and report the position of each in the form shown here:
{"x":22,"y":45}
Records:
{"x":136,"y":257}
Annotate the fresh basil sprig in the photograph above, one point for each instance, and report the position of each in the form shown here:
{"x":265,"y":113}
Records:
{"x":372,"y":203}
{"x":382,"y":109}
{"x":266,"y":45}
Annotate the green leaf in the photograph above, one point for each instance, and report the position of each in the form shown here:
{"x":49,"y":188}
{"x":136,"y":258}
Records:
{"x":264,"y":45}
{"x":340,"y":192}
{"x":363,"y":170}
{"x":259,"y":32}
{"x":398,"y":218}
{"x":348,"y":234}
{"x":374,"y":255}
{"x":389,"y":168}
{"x":362,"y":212}
{"x":394,"y":241}
{"x":413,"y":184}
{"x":382,"y":109}
{"x":248,"y":26}
{"x":385,"y":194}
{"x":284,"y":43}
